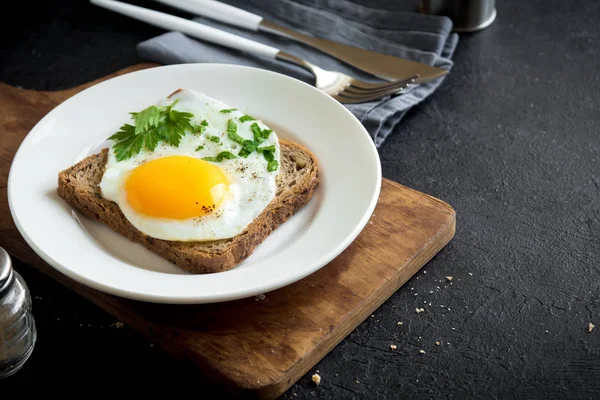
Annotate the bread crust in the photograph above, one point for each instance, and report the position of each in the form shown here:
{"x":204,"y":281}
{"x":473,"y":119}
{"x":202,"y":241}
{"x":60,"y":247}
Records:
{"x":298,"y":178}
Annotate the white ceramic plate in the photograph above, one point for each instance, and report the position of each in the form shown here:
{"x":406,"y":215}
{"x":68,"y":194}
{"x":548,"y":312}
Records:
{"x":92,"y":254}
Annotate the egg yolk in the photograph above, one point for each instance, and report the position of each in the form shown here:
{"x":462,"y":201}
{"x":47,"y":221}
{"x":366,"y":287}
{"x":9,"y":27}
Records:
{"x":176,"y":187}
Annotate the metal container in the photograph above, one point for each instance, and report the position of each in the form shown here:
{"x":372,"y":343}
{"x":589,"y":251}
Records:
{"x":17,"y":327}
{"x":466,"y":15}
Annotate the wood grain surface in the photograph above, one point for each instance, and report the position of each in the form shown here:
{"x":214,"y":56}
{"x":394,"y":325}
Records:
{"x":258,"y":347}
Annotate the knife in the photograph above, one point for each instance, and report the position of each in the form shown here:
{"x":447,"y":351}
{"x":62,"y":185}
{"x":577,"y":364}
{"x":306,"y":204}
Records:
{"x":381,"y":65}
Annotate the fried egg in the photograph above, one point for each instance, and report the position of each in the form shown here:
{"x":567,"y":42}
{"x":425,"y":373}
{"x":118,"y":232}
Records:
{"x":171,"y":193}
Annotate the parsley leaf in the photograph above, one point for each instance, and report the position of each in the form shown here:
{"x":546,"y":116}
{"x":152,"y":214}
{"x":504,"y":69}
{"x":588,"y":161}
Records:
{"x":257,"y":133}
{"x":146,"y":119}
{"x":127,"y":142}
{"x":247,"y":118}
{"x":125,"y":131}
{"x":151,"y":139}
{"x":222,"y":155}
{"x":260,"y":135}
{"x":244,"y":153}
{"x":232,"y":132}
{"x":227,"y":111}
{"x":174,"y":125}
{"x":268,"y":155}
{"x":199,"y":129}
{"x":215,"y":139}
{"x":250,"y":145}
{"x":199,"y":148}
{"x":266,"y":148}
{"x":267,"y":152}
{"x":266,"y":133}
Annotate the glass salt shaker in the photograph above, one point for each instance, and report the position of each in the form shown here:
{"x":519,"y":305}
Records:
{"x":17,"y":327}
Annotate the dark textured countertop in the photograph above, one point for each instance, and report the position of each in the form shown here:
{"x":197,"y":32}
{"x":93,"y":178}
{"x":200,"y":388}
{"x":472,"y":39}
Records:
{"x":510,"y":140}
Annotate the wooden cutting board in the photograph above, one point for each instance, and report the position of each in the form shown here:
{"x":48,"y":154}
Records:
{"x":257,"y":348}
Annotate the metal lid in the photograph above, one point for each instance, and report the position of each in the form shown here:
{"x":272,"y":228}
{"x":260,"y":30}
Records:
{"x":6,"y":272}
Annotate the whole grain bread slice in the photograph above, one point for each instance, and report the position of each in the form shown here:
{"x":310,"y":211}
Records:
{"x":296,"y":182}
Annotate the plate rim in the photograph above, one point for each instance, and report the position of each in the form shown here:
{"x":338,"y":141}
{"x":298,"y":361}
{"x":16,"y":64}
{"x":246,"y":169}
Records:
{"x":197,"y":299}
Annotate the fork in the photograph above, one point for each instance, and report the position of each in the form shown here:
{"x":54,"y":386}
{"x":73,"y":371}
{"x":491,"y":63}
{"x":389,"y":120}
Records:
{"x":341,"y":87}
{"x":344,"y":88}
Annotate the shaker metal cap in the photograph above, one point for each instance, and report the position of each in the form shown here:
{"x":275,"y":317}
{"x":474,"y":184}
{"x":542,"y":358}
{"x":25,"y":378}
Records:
{"x":6,"y":272}
{"x":466,"y":15}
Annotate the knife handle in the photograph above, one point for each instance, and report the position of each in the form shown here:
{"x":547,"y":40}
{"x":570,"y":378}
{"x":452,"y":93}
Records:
{"x":218,"y":11}
{"x":190,"y":28}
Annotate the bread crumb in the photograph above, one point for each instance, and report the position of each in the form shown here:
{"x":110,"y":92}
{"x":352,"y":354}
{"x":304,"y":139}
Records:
{"x":399,"y":323}
{"x":356,"y":380}
{"x":393,"y":347}
{"x":437,"y":343}
{"x":422,"y":351}
{"x":591,"y":327}
{"x":449,"y":278}
{"x":118,"y":324}
{"x":316,"y":378}
{"x":420,"y":310}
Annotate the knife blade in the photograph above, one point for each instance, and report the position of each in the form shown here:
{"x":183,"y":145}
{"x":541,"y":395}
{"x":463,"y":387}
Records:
{"x":378,"y":64}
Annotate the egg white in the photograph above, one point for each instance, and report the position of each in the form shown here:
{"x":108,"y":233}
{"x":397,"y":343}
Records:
{"x":251,"y":186}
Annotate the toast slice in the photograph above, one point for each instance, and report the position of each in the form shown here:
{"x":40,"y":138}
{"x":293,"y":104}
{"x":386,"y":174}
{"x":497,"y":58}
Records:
{"x":296,"y":182}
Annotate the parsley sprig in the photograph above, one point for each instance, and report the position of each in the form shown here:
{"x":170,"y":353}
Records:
{"x":151,"y":126}
{"x":155,"y":124}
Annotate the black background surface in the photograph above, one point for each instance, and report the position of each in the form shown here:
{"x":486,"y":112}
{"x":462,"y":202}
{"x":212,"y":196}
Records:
{"x":510,"y":140}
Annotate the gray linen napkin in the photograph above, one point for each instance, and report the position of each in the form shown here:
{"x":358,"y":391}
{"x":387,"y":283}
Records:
{"x":423,"y":38}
